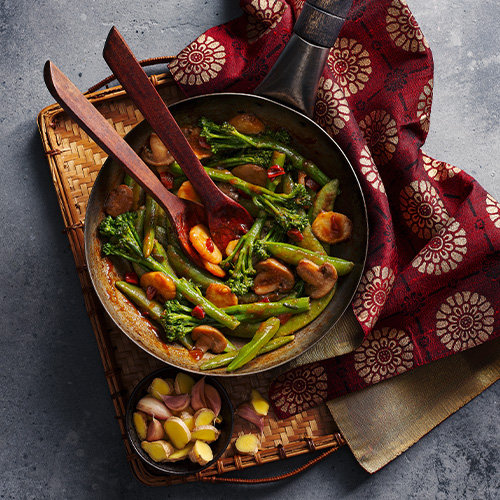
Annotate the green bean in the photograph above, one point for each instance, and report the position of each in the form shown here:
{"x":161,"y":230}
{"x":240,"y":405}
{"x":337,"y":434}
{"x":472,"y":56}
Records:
{"x":139,"y":270}
{"x":298,"y":321}
{"x":324,"y":199}
{"x":309,"y":241}
{"x":178,"y":181}
{"x":242,"y":331}
{"x":160,"y":254}
{"x":139,"y":221}
{"x":263,"y":310}
{"x":262,"y":336}
{"x":222,"y":360}
{"x":152,"y":307}
{"x":161,"y":235}
{"x":161,"y":217}
{"x":292,"y":254}
{"x":149,"y":226}
{"x":185,"y":268}
{"x":137,"y":190}
{"x":139,"y":297}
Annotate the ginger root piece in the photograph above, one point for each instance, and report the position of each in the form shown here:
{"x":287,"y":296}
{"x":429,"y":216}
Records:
{"x":178,"y":455}
{"x":188,"y":419}
{"x":248,"y":444}
{"x":204,"y":416}
{"x":260,"y":405}
{"x":206,"y":433}
{"x":159,"y":451}
{"x":140,"y":420}
{"x":177,"y":431}
{"x":201,"y":453}
{"x":183,"y":383}
{"x":187,"y":192}
{"x":160,"y":387}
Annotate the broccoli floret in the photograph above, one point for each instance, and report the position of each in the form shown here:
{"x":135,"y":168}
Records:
{"x":123,"y":238}
{"x":262,"y":158}
{"x":242,"y":272}
{"x":280,"y":135}
{"x":177,"y":320}
{"x":285,"y":208}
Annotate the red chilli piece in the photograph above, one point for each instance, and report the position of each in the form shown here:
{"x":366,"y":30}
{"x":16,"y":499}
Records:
{"x":265,"y":299}
{"x":275,"y":171}
{"x":167,"y":179}
{"x":132,"y":278}
{"x":284,"y":317}
{"x":295,"y":235}
{"x":312,"y":184}
{"x":151,"y":292}
{"x":244,"y":195}
{"x":204,"y":144}
{"x":210,"y":245}
{"x":198,"y":312}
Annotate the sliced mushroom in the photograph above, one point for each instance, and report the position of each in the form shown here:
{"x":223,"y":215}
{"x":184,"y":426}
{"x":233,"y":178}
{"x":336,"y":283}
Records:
{"x":247,"y":123}
{"x":319,"y":279}
{"x":119,"y":201}
{"x":157,"y":154}
{"x":208,"y":338}
{"x":332,"y":227}
{"x":272,"y":276}
{"x":255,"y":174}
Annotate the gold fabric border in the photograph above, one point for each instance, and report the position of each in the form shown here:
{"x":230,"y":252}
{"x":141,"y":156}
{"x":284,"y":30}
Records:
{"x":382,"y":421}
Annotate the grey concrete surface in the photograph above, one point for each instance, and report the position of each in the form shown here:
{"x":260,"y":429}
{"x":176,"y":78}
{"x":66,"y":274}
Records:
{"x":59,"y":438}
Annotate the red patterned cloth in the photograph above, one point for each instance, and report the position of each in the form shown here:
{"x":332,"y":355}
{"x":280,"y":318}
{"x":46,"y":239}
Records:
{"x":431,"y":282}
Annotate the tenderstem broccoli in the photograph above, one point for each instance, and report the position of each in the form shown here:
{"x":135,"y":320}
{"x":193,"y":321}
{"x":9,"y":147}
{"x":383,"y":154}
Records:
{"x":242,"y":273}
{"x":225,"y":137}
{"x":285,"y":208}
{"x":254,"y":156}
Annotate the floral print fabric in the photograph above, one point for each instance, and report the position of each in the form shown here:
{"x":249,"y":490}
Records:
{"x":430,"y":286}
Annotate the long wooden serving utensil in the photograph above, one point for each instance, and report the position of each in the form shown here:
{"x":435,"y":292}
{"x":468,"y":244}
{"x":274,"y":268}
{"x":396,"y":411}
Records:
{"x":227,"y":220}
{"x":183,"y":214}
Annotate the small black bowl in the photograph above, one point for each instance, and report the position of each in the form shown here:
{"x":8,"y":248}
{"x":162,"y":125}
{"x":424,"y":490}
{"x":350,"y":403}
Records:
{"x":182,"y":467}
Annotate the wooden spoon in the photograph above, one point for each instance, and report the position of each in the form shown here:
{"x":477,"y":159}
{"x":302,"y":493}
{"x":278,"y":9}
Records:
{"x":227,"y":220}
{"x":183,"y":214}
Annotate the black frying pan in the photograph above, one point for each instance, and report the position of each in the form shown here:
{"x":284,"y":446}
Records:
{"x":313,"y":142}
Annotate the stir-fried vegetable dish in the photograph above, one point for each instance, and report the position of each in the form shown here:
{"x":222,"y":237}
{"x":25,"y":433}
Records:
{"x":262,"y":287}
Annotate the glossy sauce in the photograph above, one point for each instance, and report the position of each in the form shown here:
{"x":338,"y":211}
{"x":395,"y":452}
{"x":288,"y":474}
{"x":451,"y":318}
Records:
{"x":196,"y":354}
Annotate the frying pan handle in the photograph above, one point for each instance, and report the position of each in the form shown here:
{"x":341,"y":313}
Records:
{"x":320,"y":21}
{"x":294,"y":78}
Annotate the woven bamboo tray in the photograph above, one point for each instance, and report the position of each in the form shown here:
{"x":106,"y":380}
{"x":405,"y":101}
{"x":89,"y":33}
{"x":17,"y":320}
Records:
{"x":74,"y":161}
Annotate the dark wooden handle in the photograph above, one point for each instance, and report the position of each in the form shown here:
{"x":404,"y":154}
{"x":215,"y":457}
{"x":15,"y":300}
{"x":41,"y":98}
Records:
{"x":97,"y":127}
{"x":134,"y":80}
{"x":320,"y":21}
{"x":338,"y":8}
